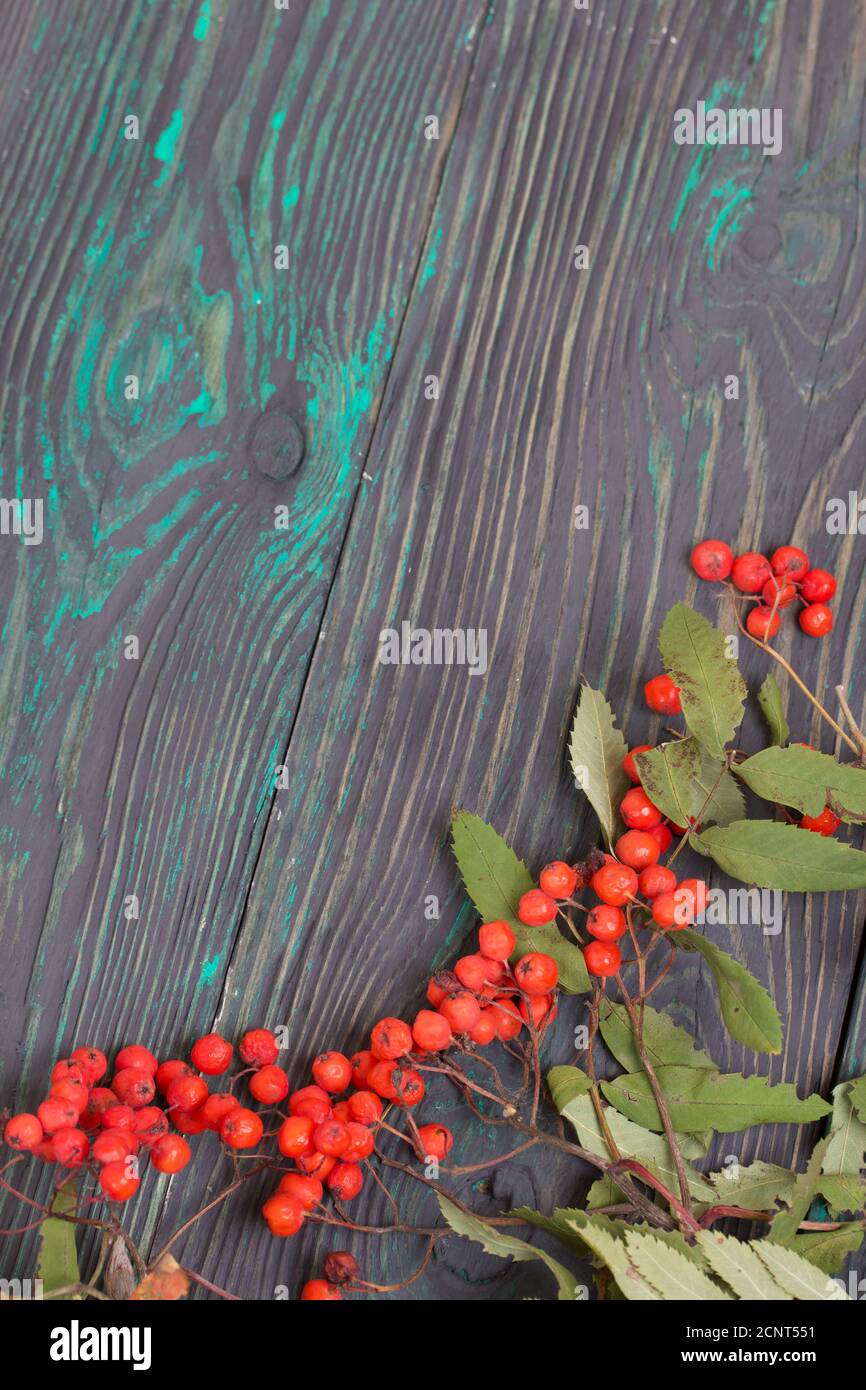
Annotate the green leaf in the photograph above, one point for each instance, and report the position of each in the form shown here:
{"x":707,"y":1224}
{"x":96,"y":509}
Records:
{"x":596,"y":751}
{"x":711,"y":688}
{"x":665,"y":1042}
{"x":632,"y":1141}
{"x":857,"y":1095}
{"x":757,"y":1187}
{"x":847,"y":1135}
{"x":749,"y":1013}
{"x":770,"y":700}
{"x":57,"y":1264}
{"x":801,"y":777}
{"x":566,"y":1084}
{"x":773,"y":855}
{"x":700,"y":1099}
{"x":842,"y":1192}
{"x":497,"y":1243}
{"x":736,"y":1262}
{"x":799,"y":1278}
{"x":496,"y":880}
{"x":558,"y":1225}
{"x":828,"y":1250}
{"x":784,"y":1226}
{"x":689,"y":785}
{"x":604,"y":1240}
{"x":675,"y":1276}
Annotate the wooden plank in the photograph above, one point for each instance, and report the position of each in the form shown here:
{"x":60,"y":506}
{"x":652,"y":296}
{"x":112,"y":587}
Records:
{"x":562,"y":388}
{"x":156,"y":257}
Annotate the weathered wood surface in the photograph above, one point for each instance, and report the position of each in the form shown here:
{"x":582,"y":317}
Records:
{"x":559,"y":387}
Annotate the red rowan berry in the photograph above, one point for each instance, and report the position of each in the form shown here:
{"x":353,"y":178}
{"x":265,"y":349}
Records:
{"x":436,"y":1141}
{"x":361,"y":1142}
{"x":170,"y":1154}
{"x":136,"y":1056}
{"x":23,"y":1131}
{"x":827,"y":823}
{"x":656,"y":879}
{"x":435,"y":992}
{"x":211,"y":1054}
{"x":93,"y":1062}
{"x":270,"y":1085}
{"x":693,"y":894}
{"x":258,"y":1048}
{"x":214,"y":1110}
{"x":134,"y":1086}
{"x":750,"y":572}
{"x":496,"y":941}
{"x":331,"y":1138}
{"x":432,"y":1031}
{"x":166,"y":1072}
{"x":762,"y":623}
{"x":284,"y":1214}
{"x":119,"y":1181}
{"x":483,"y":1031}
{"x":186,"y":1092}
{"x":345,"y":1180}
{"x":99,"y":1100}
{"x":506,"y":1018}
{"x":536,"y":908}
{"x":557,"y":879}
{"x":189,"y":1121}
{"x":295,"y":1136}
{"x":340,"y":1267}
{"x":241,"y":1128}
{"x":789,"y":562}
{"x":340,"y":1112}
{"x":44,"y":1151}
{"x":602,"y":957}
{"x":629,"y":763}
{"x":307,"y":1191}
{"x":114,"y":1145}
{"x":638,"y":812}
{"x":118,"y":1117}
{"x":662,"y":695}
{"x":539,"y":1009}
{"x":461,"y":1010}
{"x":391,"y":1038}
{"x":332,"y":1071}
{"x":71,"y":1089}
{"x":54,"y":1114}
{"x":365,"y":1107}
{"x":319,"y":1290}
{"x":606,"y":923}
{"x":637,"y":848}
{"x":379,"y":1079}
{"x":471,"y":971}
{"x":662,"y":836}
{"x":712,"y":560}
{"x":536,"y":973}
{"x":361,"y":1064}
{"x":317,"y":1165}
{"x":667,"y":912}
{"x":151,"y":1124}
{"x":299,"y":1099}
{"x":615,"y":884}
{"x":777,"y":594}
{"x":408,"y":1085}
{"x":494,"y":973}
{"x":66,"y":1068}
{"x":816,"y":620}
{"x":817,"y":586}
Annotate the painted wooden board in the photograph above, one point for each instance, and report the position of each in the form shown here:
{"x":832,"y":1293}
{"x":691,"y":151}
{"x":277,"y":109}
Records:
{"x":156,"y":257}
{"x":558,"y":388}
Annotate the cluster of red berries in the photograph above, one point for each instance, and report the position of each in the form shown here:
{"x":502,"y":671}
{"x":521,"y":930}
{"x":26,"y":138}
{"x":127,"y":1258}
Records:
{"x":81,"y":1121}
{"x":786,"y":576}
{"x":632,"y":875}
{"x":480,"y":1001}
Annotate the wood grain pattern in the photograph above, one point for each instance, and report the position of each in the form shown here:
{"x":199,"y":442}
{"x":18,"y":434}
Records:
{"x":558,"y":388}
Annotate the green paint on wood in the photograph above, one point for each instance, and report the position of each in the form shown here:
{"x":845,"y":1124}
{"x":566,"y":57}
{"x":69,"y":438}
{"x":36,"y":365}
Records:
{"x":202,"y":22}
{"x":166,"y":146}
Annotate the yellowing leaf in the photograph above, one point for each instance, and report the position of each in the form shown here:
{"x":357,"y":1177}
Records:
{"x":596,"y":750}
{"x":711,"y":688}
